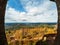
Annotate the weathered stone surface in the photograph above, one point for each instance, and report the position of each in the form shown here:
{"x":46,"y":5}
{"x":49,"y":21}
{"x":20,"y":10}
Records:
{"x":3,"y":40}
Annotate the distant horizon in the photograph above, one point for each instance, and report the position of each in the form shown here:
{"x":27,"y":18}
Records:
{"x":31,"y":22}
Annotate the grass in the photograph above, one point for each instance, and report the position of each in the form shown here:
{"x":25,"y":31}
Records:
{"x":29,"y":36}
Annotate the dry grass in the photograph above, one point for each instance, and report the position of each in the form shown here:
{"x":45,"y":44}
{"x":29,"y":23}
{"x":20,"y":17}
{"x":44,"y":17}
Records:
{"x":28,"y":35}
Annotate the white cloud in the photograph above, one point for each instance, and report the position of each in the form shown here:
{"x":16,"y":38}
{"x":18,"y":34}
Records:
{"x":36,"y":12}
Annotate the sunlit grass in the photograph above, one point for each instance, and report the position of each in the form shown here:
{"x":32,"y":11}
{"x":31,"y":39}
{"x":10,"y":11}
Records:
{"x":29,"y":36}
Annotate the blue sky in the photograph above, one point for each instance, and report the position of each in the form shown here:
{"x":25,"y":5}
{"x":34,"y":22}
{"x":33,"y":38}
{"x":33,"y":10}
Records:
{"x":19,"y":11}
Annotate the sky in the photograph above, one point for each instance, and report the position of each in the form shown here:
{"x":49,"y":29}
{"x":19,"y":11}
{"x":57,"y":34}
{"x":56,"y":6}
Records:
{"x":31,"y":11}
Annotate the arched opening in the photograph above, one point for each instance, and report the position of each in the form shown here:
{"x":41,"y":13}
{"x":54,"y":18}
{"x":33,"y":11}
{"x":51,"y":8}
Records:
{"x":26,"y":20}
